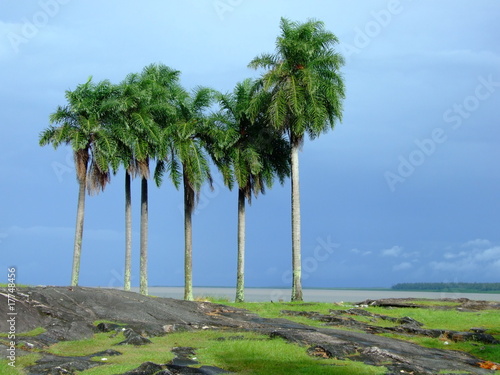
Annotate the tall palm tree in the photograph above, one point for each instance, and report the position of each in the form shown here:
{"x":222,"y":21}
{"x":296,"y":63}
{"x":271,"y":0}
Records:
{"x":82,"y":125}
{"x":185,"y":160}
{"x":152,"y":110}
{"x":124,"y":104}
{"x":139,"y":108}
{"x":306,"y":91}
{"x":256,"y":154}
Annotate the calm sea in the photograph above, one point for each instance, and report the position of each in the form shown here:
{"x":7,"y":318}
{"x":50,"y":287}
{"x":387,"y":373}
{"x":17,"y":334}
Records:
{"x":311,"y":295}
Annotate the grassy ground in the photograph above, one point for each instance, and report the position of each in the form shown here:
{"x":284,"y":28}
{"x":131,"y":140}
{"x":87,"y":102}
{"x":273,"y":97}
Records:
{"x":240,"y":352}
{"x":251,"y":353}
{"x":431,"y":318}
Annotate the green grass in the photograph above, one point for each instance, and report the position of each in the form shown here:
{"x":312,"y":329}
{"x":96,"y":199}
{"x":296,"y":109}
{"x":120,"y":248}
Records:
{"x":447,"y":319}
{"x":222,"y":300}
{"x":431,"y":318}
{"x":17,"y":286}
{"x":32,"y":333}
{"x":481,"y":351}
{"x":252,"y":353}
{"x":21,"y":362}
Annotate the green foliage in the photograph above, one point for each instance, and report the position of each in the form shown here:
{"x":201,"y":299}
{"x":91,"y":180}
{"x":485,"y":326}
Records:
{"x":246,"y":143}
{"x":82,"y":123}
{"x":302,"y":84}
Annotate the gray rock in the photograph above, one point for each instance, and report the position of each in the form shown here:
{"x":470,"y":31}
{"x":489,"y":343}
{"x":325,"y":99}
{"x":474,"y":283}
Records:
{"x":133,"y":338}
{"x":147,"y":368}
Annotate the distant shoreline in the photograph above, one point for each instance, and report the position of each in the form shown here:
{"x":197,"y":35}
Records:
{"x":353,"y":295}
{"x":346,"y":288}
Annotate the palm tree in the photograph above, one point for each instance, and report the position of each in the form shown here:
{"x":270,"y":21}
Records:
{"x":306,"y":90}
{"x":82,"y":125}
{"x":124,"y":104}
{"x":139,"y":108}
{"x":184,"y":158}
{"x":255,"y":152}
{"x":152,"y":110}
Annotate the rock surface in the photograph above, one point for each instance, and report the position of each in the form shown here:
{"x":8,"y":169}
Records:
{"x":70,"y":313}
{"x":405,"y":325}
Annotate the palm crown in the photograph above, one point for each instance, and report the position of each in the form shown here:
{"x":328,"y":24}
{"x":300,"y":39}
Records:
{"x":302,"y":82}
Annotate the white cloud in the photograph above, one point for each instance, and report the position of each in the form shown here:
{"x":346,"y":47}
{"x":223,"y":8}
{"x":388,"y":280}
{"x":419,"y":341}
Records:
{"x":454,"y":255}
{"x":488,"y":255}
{"x":392,"y":252}
{"x":477,"y":243}
{"x":413,"y":254}
{"x":402,"y":266}
{"x":486,"y":260}
{"x":362,"y":253}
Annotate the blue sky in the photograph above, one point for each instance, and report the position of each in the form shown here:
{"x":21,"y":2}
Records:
{"x":405,"y":189}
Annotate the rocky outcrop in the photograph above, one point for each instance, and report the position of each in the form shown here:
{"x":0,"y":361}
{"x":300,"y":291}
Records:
{"x":70,"y":313}
{"x":405,"y":325}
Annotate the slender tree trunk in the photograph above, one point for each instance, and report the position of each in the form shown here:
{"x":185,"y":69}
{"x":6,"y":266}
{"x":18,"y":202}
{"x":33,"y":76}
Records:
{"x":296,"y":249}
{"x":188,"y":241}
{"x":77,"y":252}
{"x":143,"y":288}
{"x":240,"y":278}
{"x":128,"y":232}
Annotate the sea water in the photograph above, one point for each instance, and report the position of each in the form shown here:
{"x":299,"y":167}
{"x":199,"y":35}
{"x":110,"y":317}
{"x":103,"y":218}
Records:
{"x":312,"y":295}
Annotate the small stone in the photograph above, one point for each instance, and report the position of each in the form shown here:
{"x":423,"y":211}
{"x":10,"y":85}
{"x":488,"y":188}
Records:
{"x":478,"y":330}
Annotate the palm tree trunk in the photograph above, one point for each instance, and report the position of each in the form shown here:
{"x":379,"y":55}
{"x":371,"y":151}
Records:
{"x":143,"y":287}
{"x":188,"y":241}
{"x":77,"y":252}
{"x":296,"y":250}
{"x":128,"y":232}
{"x":240,"y":279}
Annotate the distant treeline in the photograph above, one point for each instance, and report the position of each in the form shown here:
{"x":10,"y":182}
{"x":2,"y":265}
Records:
{"x":449,"y":287}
